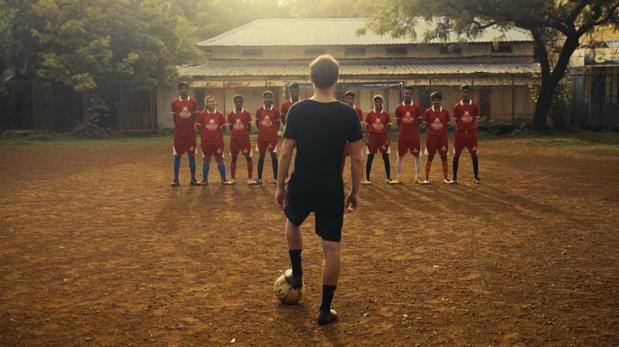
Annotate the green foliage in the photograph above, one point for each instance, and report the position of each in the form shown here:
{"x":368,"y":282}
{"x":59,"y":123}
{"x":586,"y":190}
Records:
{"x":97,"y":110}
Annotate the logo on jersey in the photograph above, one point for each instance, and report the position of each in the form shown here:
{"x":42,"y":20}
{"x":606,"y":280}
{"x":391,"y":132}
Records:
{"x":184,"y":113}
{"x":266,"y":122}
{"x":444,"y":149}
{"x":238,"y":125}
{"x":377,"y":124}
{"x":437,"y":124}
{"x":466,"y":117}
{"x":212,"y":125}
{"x":408,"y":118}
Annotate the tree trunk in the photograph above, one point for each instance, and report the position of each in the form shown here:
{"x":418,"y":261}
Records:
{"x":544,"y":100}
{"x":550,"y":81}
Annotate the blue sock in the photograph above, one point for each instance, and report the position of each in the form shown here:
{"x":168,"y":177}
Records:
{"x":205,"y":168}
{"x":192,"y":167}
{"x":274,"y":161}
{"x":177,"y":166}
{"x":222,"y":170}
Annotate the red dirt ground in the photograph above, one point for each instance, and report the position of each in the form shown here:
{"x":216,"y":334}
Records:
{"x":97,"y":249}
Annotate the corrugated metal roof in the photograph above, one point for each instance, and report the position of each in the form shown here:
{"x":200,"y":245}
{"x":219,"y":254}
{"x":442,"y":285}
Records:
{"x":275,"y":70}
{"x":338,"y":32}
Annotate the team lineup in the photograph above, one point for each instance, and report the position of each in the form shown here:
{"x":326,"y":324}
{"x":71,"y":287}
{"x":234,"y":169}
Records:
{"x":376,"y":125}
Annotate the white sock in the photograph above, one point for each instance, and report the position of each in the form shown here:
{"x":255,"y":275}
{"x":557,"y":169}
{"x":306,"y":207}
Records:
{"x":417,"y":167}
{"x":398,"y":166}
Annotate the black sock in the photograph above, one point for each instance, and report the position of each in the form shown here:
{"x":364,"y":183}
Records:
{"x":455,"y":167}
{"x":475,"y":166}
{"x":368,"y":166}
{"x":327,"y":297}
{"x":295,"y":261}
{"x":260,"y":165}
{"x":387,"y":165}
{"x":274,"y":163}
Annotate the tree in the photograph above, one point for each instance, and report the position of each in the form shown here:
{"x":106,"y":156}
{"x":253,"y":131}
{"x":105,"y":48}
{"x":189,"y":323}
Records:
{"x":552,"y":23}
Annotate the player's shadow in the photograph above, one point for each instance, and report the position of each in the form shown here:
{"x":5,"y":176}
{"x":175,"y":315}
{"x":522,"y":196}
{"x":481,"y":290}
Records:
{"x":294,"y":315}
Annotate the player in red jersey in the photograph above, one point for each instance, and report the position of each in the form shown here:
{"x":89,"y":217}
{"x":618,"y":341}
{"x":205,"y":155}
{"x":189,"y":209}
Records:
{"x":293,"y":89}
{"x":379,"y":127}
{"x":239,"y":122}
{"x":349,"y":97}
{"x":267,"y":122}
{"x":408,"y":117}
{"x":437,"y":118}
{"x":211,"y":124}
{"x":184,"y":110}
{"x":466,"y":113}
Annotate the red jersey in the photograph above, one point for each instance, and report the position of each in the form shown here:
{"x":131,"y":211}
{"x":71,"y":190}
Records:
{"x":212,"y":125}
{"x":378,"y":121}
{"x":184,"y":115}
{"x":466,"y":116}
{"x":268,"y":122}
{"x":239,"y":122}
{"x":285,"y":107}
{"x":359,"y":112}
{"x":437,"y":121}
{"x":408,"y":115}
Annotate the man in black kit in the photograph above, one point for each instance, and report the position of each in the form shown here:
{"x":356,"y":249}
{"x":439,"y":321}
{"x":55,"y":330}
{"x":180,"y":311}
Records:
{"x":319,"y":128}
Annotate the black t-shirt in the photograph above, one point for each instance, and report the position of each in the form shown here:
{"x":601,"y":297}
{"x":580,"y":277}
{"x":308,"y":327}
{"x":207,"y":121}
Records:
{"x":320,"y":131}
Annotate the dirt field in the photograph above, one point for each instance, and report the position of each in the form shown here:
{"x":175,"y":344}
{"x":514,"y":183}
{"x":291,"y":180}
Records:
{"x":97,"y":249}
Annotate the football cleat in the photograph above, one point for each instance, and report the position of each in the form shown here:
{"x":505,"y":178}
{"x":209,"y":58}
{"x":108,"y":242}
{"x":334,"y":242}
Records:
{"x":448,"y":181}
{"x":204,"y":183}
{"x":327,"y":317}
{"x":174,"y":183}
{"x":426,"y":181}
{"x":366,"y":182}
{"x":259,"y":181}
{"x":252,"y":182}
{"x":476,"y":180}
{"x":227,"y":183}
{"x":193,"y":182}
{"x":395,"y":181}
{"x":420,"y":180}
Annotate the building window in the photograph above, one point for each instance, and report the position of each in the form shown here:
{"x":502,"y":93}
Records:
{"x":502,"y":48}
{"x":397,"y":50}
{"x":354,"y":51}
{"x":314,"y":51}
{"x":252,"y":52}
{"x":447,"y":49}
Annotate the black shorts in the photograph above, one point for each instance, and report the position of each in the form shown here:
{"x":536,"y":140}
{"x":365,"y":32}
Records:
{"x":328,"y":224}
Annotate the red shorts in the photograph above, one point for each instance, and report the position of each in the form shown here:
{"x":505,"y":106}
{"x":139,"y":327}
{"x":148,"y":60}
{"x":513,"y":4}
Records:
{"x":265,"y":145}
{"x":466,"y":139}
{"x":436,"y":143}
{"x":378,"y":142}
{"x":210,"y":149}
{"x":240,"y":144}
{"x":184,"y":144}
{"x":409,"y":145}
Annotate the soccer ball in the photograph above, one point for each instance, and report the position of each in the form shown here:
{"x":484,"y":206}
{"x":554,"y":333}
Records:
{"x":284,"y":291}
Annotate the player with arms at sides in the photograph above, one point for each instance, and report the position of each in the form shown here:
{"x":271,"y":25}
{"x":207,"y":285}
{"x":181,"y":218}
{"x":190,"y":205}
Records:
{"x":239,"y":122}
{"x":184,"y":110}
{"x":437,"y":118}
{"x":267,"y":122}
{"x":379,"y":128}
{"x":211,"y":125}
{"x":293,"y":89}
{"x":319,"y":128}
{"x":349,"y":98}
{"x":466,"y":113}
{"x":408,"y":116}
